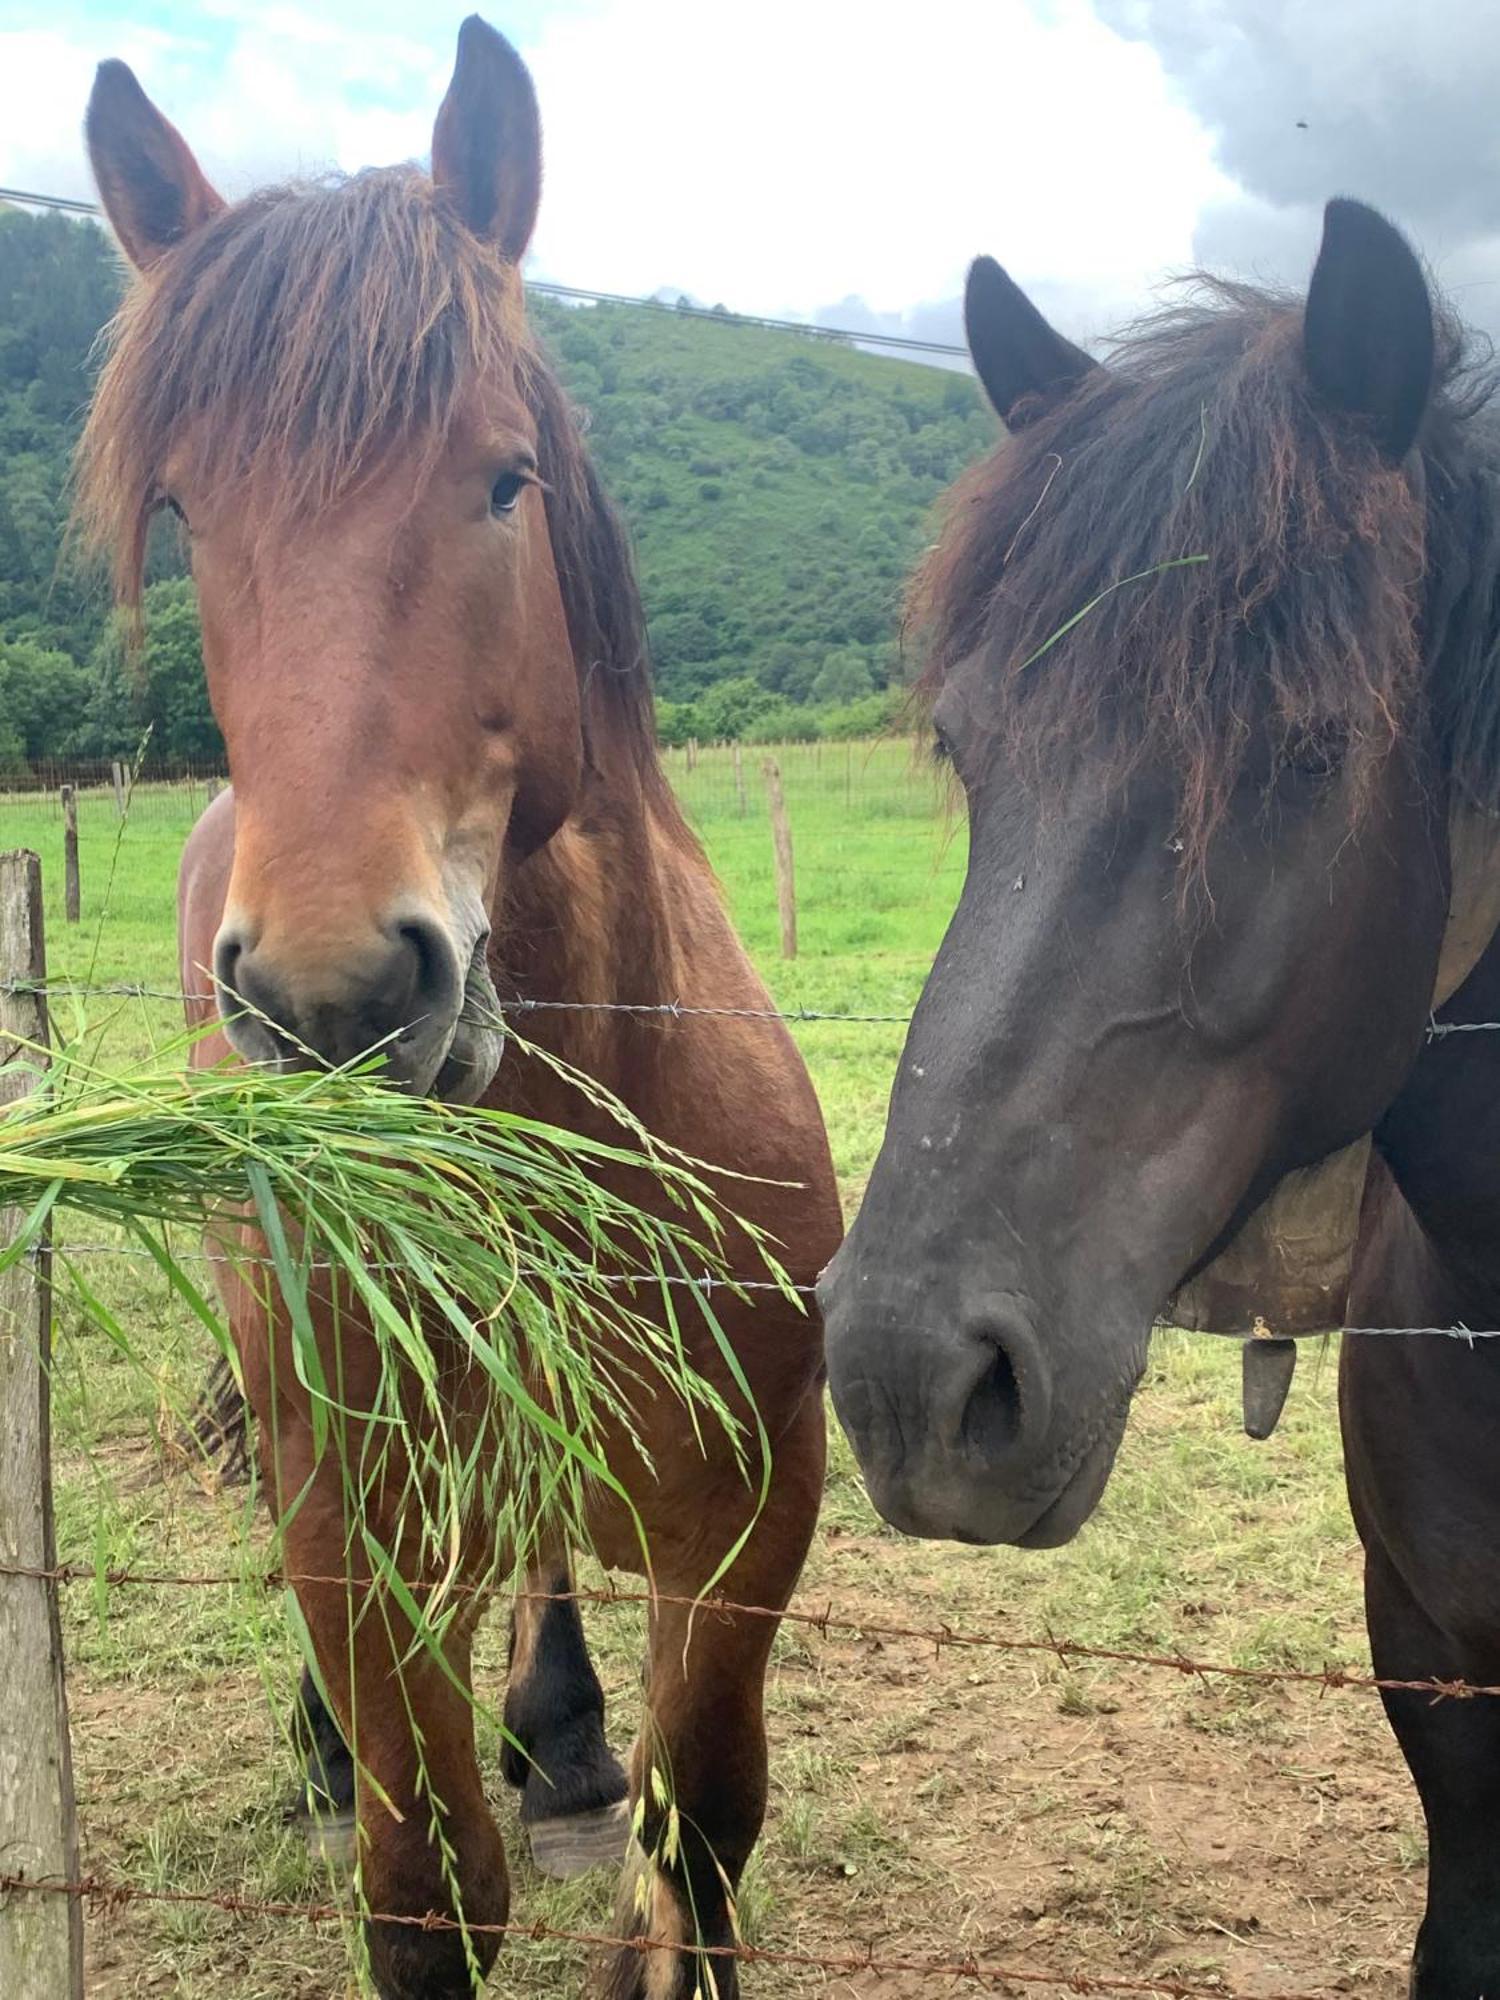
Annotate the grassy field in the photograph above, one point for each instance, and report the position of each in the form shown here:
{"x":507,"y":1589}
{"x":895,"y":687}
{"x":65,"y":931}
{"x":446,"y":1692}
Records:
{"x":1108,"y":1820}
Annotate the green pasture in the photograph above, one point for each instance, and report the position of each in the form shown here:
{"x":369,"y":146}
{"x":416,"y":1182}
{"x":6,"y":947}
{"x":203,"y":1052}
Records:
{"x":1004,"y":1804}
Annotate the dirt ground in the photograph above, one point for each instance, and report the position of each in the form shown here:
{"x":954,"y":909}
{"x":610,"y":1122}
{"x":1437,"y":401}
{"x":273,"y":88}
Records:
{"x":938,"y":1805}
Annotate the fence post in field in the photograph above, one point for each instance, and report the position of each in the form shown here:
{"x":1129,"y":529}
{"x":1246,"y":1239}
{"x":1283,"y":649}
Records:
{"x":739,"y":778}
{"x":41,"y":1936}
{"x":211,"y":791}
{"x":692,"y":753}
{"x":786,"y":884}
{"x":70,"y":854}
{"x":117,"y":779}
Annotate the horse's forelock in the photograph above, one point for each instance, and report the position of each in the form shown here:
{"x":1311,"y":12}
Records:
{"x":293,"y":338}
{"x":1242,"y":559}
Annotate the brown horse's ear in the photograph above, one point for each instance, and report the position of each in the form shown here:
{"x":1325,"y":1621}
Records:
{"x":487,"y":143}
{"x":153,"y":190}
{"x":1027,"y":368}
{"x":1367,"y":333}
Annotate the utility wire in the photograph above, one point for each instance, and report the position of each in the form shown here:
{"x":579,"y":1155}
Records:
{"x":904,"y":342}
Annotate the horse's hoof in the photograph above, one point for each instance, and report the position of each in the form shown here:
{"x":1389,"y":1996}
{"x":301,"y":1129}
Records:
{"x":331,"y":1839}
{"x":573,"y":1845}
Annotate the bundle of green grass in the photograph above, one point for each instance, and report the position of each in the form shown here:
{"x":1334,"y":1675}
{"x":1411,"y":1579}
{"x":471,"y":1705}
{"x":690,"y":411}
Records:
{"x":450,"y":1230}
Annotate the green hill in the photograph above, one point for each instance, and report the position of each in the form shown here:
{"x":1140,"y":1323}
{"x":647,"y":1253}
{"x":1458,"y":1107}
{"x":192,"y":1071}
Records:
{"x":778,"y":487}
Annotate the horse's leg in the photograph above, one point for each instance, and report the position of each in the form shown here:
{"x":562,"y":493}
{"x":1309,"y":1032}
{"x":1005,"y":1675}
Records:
{"x":426,"y":1840}
{"x":699,"y":1770}
{"x":1452,"y":1749}
{"x":573,"y":1791}
{"x":1420,"y":1418}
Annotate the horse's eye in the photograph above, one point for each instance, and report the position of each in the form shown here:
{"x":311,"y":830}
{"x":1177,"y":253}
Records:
{"x":506,"y":491}
{"x":1316,"y":753}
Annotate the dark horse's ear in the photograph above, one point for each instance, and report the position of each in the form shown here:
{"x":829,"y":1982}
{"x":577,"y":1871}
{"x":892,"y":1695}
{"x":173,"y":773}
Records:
{"x":1026,"y":367}
{"x":1367,"y":332}
{"x":153,"y":190}
{"x":487,"y":143}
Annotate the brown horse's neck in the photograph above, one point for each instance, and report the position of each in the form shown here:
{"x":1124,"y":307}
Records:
{"x":593,"y":918}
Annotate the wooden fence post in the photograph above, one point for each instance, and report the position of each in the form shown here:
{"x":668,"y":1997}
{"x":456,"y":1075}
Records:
{"x":692,"y":752}
{"x":71,"y":905}
{"x":117,"y":779}
{"x":786,"y":883}
{"x":41,"y":1936}
{"x":739,"y":778}
{"x":212,"y":791}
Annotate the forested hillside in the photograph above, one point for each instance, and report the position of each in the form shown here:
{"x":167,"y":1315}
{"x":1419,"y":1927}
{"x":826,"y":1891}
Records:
{"x":777,"y":487}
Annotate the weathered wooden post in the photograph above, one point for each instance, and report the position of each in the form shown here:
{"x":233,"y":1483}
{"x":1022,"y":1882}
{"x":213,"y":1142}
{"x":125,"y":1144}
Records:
{"x":692,"y":753}
{"x":212,"y":791}
{"x":117,"y":779}
{"x":739,"y":778}
{"x":786,"y":884}
{"x":41,"y":1935}
{"x":71,"y":904}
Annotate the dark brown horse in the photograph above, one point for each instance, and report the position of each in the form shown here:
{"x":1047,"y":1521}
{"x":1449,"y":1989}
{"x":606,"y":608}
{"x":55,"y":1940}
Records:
{"x":425,"y":650}
{"x":1216,"y":654}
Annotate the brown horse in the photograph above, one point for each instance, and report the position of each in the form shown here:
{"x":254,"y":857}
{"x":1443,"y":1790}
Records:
{"x":425,"y":650}
{"x":1216,"y":654}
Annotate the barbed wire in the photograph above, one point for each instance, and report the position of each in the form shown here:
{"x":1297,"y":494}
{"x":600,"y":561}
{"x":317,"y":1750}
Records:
{"x":941,"y":1638}
{"x":126,"y":989}
{"x":708,"y":1282}
{"x":1437,"y":1029}
{"x":109,"y":1893}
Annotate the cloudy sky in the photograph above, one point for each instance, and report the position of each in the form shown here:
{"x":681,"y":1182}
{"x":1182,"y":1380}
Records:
{"x":846,"y":158}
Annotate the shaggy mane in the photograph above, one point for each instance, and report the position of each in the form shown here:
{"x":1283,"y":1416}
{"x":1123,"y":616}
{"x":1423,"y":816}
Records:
{"x":1191,"y":565}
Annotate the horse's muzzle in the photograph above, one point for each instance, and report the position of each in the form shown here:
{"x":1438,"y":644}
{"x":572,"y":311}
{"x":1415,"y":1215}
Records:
{"x":401,"y":997}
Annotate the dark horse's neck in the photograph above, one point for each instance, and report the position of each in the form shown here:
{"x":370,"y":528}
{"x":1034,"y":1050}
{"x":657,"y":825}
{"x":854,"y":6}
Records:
{"x":1435,"y":1222}
{"x":1431,"y":1250}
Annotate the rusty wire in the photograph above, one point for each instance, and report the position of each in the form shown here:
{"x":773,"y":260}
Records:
{"x":109,"y":1894}
{"x":1327,"y":1679}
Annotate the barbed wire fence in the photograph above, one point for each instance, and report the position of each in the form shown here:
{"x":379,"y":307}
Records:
{"x":23,"y":983}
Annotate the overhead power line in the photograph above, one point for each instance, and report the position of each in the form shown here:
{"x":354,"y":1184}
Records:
{"x":903,"y":342}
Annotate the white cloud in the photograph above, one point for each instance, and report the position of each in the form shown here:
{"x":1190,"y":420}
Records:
{"x":774,"y":156}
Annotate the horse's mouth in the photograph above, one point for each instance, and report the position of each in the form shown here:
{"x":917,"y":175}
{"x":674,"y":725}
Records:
{"x":478,"y":1042}
{"x":468,"y":1069}
{"x":1060,"y":1520}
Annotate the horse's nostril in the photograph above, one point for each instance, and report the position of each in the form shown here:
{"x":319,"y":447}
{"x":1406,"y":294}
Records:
{"x":1007,"y":1407}
{"x":429,"y":972}
{"x":992,"y":1418}
{"x":229,"y":952}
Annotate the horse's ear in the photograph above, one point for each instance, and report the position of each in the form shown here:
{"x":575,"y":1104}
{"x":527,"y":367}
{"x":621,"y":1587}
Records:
{"x":1367,"y":332}
{"x":487,"y":143}
{"x":153,"y":190}
{"x":1025,"y":365}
